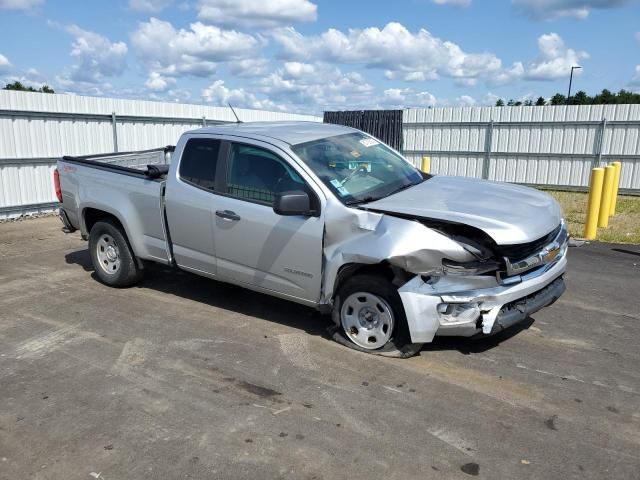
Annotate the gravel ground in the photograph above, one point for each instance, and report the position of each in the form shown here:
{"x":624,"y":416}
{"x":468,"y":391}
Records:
{"x":183,"y":377}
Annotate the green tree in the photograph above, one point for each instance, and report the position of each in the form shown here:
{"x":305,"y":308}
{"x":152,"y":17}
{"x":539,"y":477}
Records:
{"x":625,"y":96}
{"x":580,"y":98}
{"x":604,"y":98}
{"x":23,"y":88}
{"x":500,"y":103}
{"x":528,"y":103}
{"x":558,"y":99}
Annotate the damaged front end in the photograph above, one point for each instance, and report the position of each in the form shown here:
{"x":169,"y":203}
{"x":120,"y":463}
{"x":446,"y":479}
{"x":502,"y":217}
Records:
{"x":488,"y":294}
{"x":452,"y":279}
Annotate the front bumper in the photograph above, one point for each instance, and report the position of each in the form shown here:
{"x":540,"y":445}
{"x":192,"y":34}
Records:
{"x":499,"y":305}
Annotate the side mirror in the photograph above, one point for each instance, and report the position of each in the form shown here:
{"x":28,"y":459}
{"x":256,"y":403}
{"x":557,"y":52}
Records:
{"x":292,"y":203}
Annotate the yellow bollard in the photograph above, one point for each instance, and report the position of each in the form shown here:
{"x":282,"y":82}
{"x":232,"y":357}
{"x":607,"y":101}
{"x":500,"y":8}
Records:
{"x":616,"y":185}
{"x":605,"y":200}
{"x":595,"y":193}
{"x":426,"y":164}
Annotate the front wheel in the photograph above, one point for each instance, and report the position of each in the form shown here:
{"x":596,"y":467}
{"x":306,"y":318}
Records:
{"x":371,"y":318}
{"x":112,"y":257}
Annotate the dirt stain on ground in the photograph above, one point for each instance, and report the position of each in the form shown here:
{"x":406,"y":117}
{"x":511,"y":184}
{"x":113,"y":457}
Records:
{"x":262,"y":392}
{"x":472,"y":469}
{"x":551,"y":422}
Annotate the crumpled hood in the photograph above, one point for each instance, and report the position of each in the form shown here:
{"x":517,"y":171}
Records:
{"x":508,"y":213}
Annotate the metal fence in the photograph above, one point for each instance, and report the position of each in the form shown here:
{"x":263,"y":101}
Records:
{"x":385,"y":125}
{"x":36,"y":129}
{"x":548,"y":146}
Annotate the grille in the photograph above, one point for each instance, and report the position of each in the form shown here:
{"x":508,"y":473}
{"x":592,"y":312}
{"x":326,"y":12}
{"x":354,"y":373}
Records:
{"x":523,"y":250}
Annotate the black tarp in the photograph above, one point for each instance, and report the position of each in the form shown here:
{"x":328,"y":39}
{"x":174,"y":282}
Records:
{"x":385,"y":125}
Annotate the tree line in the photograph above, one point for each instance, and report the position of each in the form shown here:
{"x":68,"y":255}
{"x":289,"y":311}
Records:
{"x":605,"y":97}
{"x":23,"y":88}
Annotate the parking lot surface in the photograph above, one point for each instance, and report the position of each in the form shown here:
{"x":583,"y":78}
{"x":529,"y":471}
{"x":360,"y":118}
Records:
{"x":184,"y":377}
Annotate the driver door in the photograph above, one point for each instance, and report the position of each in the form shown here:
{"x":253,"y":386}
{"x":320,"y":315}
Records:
{"x":255,"y":246}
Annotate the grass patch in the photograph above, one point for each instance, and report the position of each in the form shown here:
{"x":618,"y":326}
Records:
{"x":624,"y":226}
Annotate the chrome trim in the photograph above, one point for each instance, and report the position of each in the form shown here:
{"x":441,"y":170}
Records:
{"x":549,"y":254}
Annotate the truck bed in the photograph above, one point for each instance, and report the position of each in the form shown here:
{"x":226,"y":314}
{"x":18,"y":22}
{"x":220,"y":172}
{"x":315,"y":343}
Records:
{"x":129,"y":186}
{"x":136,"y":161}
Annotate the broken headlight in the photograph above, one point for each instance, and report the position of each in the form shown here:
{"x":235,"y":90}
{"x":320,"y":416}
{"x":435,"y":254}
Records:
{"x":474,"y":267}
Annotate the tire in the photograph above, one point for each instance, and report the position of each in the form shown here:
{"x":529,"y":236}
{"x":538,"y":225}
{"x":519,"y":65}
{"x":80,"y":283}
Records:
{"x":113,"y":260}
{"x":370,"y":318}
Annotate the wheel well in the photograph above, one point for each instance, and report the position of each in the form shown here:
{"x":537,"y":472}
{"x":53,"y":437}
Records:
{"x":383,"y":269}
{"x":93,"y":215}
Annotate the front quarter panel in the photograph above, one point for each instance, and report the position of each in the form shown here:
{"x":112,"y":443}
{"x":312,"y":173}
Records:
{"x":361,"y":237}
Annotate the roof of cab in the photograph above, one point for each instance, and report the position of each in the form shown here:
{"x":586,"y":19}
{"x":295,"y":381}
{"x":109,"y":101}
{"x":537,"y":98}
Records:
{"x":291,"y":132}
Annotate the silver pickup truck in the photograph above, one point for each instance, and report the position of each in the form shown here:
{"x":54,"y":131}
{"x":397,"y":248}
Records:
{"x":329,"y":217}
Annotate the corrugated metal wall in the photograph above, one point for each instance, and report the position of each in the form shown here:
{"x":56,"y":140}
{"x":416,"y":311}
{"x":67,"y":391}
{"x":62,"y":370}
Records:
{"x":37,"y":128}
{"x":534,"y":145}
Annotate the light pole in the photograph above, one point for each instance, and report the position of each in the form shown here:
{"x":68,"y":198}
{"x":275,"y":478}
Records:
{"x":570,"y":80}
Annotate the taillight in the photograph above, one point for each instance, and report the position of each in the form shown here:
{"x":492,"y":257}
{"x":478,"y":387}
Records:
{"x":56,"y":184}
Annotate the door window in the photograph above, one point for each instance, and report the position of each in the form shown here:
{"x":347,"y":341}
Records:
{"x":257,"y":175}
{"x":199,"y":162}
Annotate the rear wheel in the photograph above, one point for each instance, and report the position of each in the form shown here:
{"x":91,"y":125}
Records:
{"x":112,"y":257}
{"x":369,"y":312}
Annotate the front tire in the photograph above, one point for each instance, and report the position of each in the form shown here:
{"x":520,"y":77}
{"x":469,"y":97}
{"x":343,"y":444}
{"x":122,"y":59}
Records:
{"x":113,"y":260}
{"x":370,"y":317}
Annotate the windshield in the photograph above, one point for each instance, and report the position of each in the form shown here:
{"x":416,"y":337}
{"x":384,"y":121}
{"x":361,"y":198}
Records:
{"x":358,"y":168}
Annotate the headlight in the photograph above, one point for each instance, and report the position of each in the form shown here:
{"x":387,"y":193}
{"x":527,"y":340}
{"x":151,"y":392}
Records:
{"x":458,"y":312}
{"x":475,"y":267}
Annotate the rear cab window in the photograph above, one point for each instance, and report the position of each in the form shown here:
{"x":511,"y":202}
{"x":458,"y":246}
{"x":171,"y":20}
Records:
{"x":199,"y":162}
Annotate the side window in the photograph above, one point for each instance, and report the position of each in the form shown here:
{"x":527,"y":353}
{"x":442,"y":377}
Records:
{"x":256,"y":174}
{"x":199,"y":162}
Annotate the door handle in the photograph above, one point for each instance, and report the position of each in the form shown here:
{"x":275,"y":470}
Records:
{"x":228,"y":214}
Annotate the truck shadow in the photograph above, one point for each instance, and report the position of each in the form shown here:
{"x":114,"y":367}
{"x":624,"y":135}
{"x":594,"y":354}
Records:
{"x":246,"y":302}
{"x":468,"y":346}
{"x":221,"y":295}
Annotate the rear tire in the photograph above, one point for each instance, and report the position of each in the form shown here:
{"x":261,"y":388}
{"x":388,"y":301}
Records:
{"x":370,"y":318}
{"x":113,"y":260}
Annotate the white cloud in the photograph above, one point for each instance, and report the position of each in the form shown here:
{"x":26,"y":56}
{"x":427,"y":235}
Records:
{"x":319,"y":86}
{"x":455,"y":3}
{"x":257,"y":13}
{"x":489,"y":99}
{"x":555,"y":9}
{"x":158,"y":83}
{"x":635,"y":80}
{"x":5,"y":64}
{"x":399,"y":98}
{"x":149,"y":6}
{"x":393,"y":48}
{"x":555,"y":60}
{"x":466,"y":101}
{"x":466,"y":82}
{"x":219,"y":94}
{"x":19,"y":4}
{"x":411,"y":76}
{"x":95,"y":56}
{"x":506,"y":76}
{"x":196,"y":51}
{"x":249,"y":67}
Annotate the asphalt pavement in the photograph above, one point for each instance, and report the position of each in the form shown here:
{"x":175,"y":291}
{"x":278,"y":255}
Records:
{"x":184,"y":377}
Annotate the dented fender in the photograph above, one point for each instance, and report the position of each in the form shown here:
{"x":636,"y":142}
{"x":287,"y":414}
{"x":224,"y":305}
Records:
{"x":364,"y":237}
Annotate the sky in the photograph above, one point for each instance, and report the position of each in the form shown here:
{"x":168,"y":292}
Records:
{"x":308,"y":56}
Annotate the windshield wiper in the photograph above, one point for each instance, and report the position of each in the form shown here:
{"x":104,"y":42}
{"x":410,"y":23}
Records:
{"x":404,"y":187}
{"x":362,"y":200}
